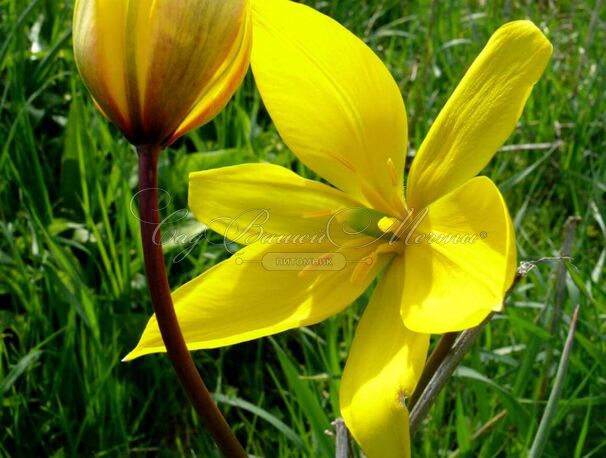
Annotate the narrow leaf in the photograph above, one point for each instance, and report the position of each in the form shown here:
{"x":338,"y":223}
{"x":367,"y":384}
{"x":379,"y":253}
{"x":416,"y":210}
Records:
{"x":540,"y":440}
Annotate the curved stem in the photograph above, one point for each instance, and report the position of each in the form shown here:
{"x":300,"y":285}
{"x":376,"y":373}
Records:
{"x":157,"y":281}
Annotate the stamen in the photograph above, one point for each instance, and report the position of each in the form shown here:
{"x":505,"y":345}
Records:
{"x":401,"y":206}
{"x":311,"y":267}
{"x":318,"y":214}
{"x":387,"y":248}
{"x":363,"y":268}
{"x":345,"y":162}
{"x":393,"y":174}
{"x":376,"y":200}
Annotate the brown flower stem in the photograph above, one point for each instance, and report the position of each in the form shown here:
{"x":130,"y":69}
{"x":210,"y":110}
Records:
{"x":157,"y":281}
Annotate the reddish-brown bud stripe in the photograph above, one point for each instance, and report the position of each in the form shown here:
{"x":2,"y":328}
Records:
{"x":224,"y":84}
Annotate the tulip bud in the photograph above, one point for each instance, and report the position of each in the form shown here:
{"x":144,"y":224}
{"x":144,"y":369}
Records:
{"x":160,"y":68}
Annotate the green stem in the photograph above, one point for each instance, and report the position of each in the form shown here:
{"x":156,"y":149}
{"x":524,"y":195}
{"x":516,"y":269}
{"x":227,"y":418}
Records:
{"x":157,"y":281}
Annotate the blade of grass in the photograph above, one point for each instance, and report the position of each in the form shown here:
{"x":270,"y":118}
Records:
{"x":462,"y":429}
{"x":308,"y":401}
{"x":24,"y":363}
{"x":261,"y":413}
{"x":540,"y":440}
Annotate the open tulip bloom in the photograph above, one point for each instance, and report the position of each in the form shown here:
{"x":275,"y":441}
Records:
{"x":443,"y":251}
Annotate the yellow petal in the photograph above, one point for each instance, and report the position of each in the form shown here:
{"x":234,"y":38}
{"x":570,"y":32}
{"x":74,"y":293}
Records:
{"x":382,"y":370}
{"x":332,"y":100}
{"x":99,"y":34}
{"x":481,"y":113}
{"x":251,"y":202}
{"x":257,"y":293}
{"x":460,"y":260}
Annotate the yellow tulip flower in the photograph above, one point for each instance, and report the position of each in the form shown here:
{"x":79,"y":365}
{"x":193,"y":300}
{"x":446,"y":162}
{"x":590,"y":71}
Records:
{"x":341,"y":113}
{"x":158,"y":69}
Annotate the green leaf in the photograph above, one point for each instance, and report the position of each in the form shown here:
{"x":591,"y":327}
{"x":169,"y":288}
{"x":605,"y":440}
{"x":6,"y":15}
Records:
{"x":463,"y":433}
{"x":308,"y":401}
{"x":261,"y":413}
{"x":18,"y":369}
{"x":540,"y":440}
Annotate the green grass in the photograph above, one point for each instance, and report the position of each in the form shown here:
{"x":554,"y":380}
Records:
{"x":73,"y":298}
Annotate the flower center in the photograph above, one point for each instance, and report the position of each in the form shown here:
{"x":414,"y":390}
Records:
{"x":365,"y":221}
{"x":401,"y":228}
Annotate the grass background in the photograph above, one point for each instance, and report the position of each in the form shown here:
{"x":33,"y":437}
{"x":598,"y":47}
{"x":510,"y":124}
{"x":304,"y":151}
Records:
{"x":73,"y":298}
